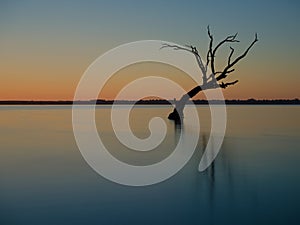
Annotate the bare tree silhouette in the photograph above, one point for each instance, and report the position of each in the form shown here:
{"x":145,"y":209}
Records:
{"x":210,"y":81}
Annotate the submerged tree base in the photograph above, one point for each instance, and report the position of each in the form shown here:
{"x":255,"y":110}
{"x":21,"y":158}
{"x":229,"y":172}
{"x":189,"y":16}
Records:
{"x":175,"y":116}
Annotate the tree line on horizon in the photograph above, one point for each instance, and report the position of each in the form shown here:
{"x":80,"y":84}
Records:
{"x":250,"y":101}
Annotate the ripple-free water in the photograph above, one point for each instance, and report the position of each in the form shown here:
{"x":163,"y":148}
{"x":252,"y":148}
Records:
{"x":255,"y":178}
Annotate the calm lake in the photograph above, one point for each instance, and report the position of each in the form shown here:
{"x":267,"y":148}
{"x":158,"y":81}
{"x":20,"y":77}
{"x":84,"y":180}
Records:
{"x":255,"y":178}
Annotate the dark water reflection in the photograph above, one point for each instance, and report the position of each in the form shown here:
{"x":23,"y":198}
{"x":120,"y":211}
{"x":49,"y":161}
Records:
{"x":254,"y":179}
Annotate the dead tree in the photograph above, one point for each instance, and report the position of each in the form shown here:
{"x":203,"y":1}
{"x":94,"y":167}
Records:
{"x":213,"y":80}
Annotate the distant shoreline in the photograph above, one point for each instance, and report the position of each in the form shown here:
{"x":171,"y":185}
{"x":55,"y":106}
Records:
{"x":153,"y":102}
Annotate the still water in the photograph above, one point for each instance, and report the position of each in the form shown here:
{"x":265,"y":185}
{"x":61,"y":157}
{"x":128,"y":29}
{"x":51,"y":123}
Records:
{"x":255,"y":178}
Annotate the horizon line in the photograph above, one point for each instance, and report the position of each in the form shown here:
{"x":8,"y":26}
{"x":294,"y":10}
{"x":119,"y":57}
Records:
{"x":148,"y":101}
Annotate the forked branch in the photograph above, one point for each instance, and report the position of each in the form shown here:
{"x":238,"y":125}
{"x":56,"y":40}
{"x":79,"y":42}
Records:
{"x":194,"y":51}
{"x":211,"y":53}
{"x":228,"y":68}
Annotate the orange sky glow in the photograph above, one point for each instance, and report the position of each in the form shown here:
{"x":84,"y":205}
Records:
{"x":45,"y":49}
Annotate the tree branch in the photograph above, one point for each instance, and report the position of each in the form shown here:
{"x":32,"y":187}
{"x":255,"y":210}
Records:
{"x":175,"y":47}
{"x":193,"y":50}
{"x":225,"y":85}
{"x":230,"y":55}
{"x":231,"y":64}
{"x":211,"y":54}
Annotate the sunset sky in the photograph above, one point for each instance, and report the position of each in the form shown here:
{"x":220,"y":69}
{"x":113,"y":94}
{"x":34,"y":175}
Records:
{"x":45,"y":46}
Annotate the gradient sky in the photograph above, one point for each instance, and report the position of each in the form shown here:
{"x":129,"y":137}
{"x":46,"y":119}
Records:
{"x":45,"y":46}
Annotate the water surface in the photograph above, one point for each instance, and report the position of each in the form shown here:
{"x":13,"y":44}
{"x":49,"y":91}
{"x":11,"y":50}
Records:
{"x":255,"y":178}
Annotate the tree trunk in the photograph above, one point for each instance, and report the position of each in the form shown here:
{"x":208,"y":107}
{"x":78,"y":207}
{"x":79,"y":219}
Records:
{"x":177,"y":114}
